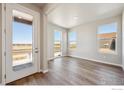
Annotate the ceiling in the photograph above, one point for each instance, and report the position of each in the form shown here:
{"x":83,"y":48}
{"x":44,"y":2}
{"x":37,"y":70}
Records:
{"x":22,"y":15}
{"x":70,"y":15}
{"x":40,"y":5}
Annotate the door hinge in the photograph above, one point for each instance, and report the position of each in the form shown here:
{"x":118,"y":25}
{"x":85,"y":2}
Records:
{"x":5,"y":76}
{"x":5,"y":8}
{"x":5,"y":31}
{"x":4,"y":53}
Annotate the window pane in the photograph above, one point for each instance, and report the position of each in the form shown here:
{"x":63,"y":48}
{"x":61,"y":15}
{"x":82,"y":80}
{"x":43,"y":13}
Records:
{"x":107,"y":35}
{"x":22,"y":38}
{"x":57,"y":43}
{"x":72,"y":40}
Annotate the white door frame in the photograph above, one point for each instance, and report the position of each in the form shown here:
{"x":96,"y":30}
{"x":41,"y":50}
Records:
{"x":4,"y":42}
{"x":123,"y":40}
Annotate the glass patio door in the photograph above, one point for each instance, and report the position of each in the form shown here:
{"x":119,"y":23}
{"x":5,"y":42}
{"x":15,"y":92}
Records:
{"x":21,"y":42}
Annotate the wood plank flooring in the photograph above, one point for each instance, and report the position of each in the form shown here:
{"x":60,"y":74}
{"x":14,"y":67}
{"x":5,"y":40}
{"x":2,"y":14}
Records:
{"x":74,"y":71}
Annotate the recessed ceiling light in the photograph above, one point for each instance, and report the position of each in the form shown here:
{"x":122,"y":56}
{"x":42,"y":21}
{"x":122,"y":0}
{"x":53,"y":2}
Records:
{"x":20,"y":17}
{"x":75,"y":17}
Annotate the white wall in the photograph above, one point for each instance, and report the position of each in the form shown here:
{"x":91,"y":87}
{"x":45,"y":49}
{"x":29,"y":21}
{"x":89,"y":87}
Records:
{"x":0,"y":43}
{"x":87,"y":42}
{"x":123,"y":40}
{"x":50,"y":34}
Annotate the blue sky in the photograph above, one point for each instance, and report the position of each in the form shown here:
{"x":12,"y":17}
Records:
{"x":57,"y":35}
{"x":108,"y":28}
{"x":72,"y":36}
{"x":22,"y":33}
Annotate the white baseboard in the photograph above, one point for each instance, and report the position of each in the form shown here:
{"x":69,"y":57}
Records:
{"x":50,"y":59}
{"x":45,"y":71}
{"x":99,"y":61}
{"x":56,"y":57}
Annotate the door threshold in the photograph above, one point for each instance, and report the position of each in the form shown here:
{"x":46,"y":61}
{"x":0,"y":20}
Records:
{"x":23,"y":66}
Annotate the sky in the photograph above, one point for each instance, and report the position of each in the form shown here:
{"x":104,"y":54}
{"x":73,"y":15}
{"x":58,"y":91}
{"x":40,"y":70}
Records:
{"x":72,"y":36}
{"x":108,"y":28}
{"x":22,"y":33}
{"x":57,"y":36}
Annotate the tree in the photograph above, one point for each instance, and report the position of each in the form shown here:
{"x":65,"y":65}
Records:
{"x":112,"y":47}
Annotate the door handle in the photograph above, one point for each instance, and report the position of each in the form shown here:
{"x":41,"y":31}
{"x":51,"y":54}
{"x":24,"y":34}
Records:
{"x":36,"y":50}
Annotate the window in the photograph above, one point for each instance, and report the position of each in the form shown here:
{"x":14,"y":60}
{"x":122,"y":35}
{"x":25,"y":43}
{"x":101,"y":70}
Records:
{"x":22,"y":38}
{"x":57,"y":43}
{"x":72,"y":37}
{"x":107,"y":35}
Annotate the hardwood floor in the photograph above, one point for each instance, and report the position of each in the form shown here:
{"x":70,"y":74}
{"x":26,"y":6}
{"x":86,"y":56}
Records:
{"x":74,"y":71}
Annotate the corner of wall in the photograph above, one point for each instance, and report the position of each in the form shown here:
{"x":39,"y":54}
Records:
{"x":44,"y":71}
